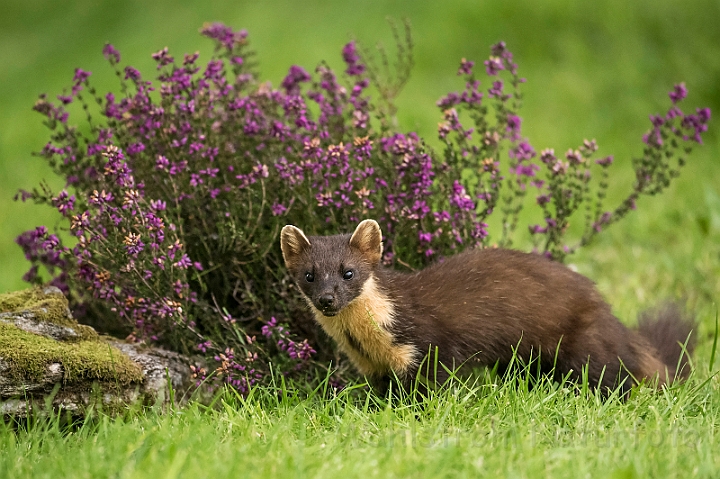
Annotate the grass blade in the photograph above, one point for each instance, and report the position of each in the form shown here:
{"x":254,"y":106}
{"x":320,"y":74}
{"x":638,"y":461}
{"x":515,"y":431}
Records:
{"x":715,"y":341}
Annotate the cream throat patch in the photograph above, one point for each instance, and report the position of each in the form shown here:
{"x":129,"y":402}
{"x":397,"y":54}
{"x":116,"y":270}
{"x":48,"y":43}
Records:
{"x":361,"y":329}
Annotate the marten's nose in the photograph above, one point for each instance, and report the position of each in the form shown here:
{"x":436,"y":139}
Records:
{"x":326,"y":300}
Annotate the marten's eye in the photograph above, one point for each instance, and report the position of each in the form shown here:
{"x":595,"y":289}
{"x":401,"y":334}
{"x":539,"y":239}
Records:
{"x":348,"y":274}
{"x":309,"y":277}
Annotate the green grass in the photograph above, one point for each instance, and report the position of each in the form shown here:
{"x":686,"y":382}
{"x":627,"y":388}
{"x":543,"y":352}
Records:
{"x":474,"y":429}
{"x":594,"y":70}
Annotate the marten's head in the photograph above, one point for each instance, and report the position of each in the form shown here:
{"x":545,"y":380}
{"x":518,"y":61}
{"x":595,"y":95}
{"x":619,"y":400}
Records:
{"x":331,"y":270}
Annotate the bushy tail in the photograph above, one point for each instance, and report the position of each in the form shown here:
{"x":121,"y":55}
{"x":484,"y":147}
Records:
{"x":672,"y":333}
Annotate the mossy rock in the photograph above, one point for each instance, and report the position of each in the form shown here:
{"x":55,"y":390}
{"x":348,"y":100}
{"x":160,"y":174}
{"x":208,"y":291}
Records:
{"x":37,"y":331}
{"x":48,"y":308}
{"x":47,"y":303}
{"x":46,"y":357}
{"x":28,"y":356}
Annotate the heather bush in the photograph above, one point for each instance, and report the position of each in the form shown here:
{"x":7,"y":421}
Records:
{"x":176,"y":190}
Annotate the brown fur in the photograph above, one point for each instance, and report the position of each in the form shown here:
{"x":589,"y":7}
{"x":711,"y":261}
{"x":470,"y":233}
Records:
{"x":478,"y":307}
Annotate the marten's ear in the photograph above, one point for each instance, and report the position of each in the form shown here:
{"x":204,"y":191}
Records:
{"x":368,"y":239}
{"x":293,"y":243}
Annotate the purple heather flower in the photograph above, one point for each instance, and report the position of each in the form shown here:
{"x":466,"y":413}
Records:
{"x":360,"y":119}
{"x":110,"y":53}
{"x":472,"y":95}
{"x":513,"y":126}
{"x":133,"y":244}
{"x":480,"y":231}
{"x":351,"y":58}
{"x":560,"y":167}
{"x":51,"y":242}
{"x":496,"y":90}
{"x":130,"y":198}
{"x":158,"y":205}
{"x":465,"y":67}
{"x":135,"y":148}
{"x":449,"y":100}
{"x":39,"y":232}
{"x":703,"y":115}
{"x":524,"y":151}
{"x":278,"y":209}
{"x":177,"y":168}
{"x":190,"y":58}
{"x":673,"y":112}
{"x":132,"y":74}
{"x":64,"y":203}
{"x":607,"y":161}
{"x":195,"y":179}
{"x":213,"y":71}
{"x":268,"y":328}
{"x":547,"y":156}
{"x":100,"y":197}
{"x":184,"y":262}
{"x":493,"y":66}
{"x":678,"y":93}
{"x":295,"y":76}
{"x":154,"y":223}
{"x":224,"y":34}
{"x":302,"y":351}
{"x":589,"y":147}
{"x":60,"y":282}
{"x":460,"y":198}
{"x":499,"y":49}
{"x":573,"y":156}
{"x":260,"y":171}
{"x":525,"y":170}
{"x":31,"y":274}
{"x":204,"y":346}
{"x":349,"y":53}
{"x":81,"y":75}
{"x":162,"y":58}
{"x":697,"y":123}
{"x":657,"y":120}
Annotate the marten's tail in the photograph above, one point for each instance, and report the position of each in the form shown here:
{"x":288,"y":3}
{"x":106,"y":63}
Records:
{"x":672,"y":334}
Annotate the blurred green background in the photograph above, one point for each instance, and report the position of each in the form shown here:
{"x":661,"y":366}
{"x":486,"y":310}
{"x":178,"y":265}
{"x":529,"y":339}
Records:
{"x":594,"y":70}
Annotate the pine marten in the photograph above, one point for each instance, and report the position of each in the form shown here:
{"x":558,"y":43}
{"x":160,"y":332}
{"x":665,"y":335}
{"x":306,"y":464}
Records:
{"x":480,"y":306}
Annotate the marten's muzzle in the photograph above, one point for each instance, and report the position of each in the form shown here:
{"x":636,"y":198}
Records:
{"x":327,"y":304}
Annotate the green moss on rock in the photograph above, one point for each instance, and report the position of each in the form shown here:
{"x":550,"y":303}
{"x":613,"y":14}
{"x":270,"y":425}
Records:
{"x":48,"y":307}
{"x":28,"y":356}
{"x":51,"y":307}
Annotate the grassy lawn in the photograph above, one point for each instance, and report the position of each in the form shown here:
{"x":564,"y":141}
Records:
{"x":470,"y":430}
{"x":594,"y":71}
